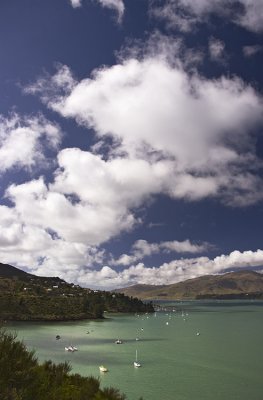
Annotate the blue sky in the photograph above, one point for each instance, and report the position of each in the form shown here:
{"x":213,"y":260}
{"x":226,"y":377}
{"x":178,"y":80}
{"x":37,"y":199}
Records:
{"x":131,"y":138}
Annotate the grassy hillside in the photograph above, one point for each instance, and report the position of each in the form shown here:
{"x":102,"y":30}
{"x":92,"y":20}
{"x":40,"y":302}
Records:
{"x":138,"y":290}
{"x":242,"y":284}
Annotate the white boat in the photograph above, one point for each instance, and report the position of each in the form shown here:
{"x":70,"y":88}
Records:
{"x":136,"y":363}
{"x":71,"y":348}
{"x":197,"y":333}
{"x":103,"y":369}
{"x":118,"y":341}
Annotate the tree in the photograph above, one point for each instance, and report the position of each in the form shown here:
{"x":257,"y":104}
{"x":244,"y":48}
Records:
{"x":23,"y":378}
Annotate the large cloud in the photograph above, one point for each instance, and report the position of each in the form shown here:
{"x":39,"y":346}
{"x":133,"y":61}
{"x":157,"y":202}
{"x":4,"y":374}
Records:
{"x":89,"y":223}
{"x":119,"y":183}
{"x":31,"y":244}
{"x":185,"y":14}
{"x":23,"y":141}
{"x":90,"y":200}
{"x":61,"y":224}
{"x":156,"y":110}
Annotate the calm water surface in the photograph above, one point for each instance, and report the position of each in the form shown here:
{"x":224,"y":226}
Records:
{"x":224,"y":362}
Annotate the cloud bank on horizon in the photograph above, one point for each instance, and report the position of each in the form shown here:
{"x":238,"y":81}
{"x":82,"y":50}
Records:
{"x":160,"y":127}
{"x":174,"y":271}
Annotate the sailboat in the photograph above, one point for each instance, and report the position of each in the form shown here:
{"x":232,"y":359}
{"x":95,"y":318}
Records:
{"x":136,"y":363}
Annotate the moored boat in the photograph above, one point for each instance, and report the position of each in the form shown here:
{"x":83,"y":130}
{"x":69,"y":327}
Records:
{"x":71,"y":348}
{"x":136,"y":363}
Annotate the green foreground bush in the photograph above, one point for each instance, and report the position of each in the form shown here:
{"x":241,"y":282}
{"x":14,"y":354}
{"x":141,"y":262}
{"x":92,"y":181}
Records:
{"x":22,"y":377}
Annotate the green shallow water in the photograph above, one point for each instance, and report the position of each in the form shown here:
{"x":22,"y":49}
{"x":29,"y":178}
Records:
{"x":224,"y":362}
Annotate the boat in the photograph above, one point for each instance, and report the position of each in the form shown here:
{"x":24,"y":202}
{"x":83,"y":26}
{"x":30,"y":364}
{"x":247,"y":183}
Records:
{"x":118,"y":341}
{"x":58,"y":337}
{"x":197,"y":333}
{"x":136,"y":363}
{"x":137,"y":339}
{"x":103,"y":369}
{"x":71,"y":348}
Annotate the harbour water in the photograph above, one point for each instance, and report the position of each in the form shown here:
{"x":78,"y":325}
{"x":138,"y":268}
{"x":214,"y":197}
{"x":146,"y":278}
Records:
{"x":225,"y":361}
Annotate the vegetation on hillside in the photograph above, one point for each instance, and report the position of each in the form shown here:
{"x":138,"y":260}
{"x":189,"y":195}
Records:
{"x":29,"y":297}
{"x":22,"y":377}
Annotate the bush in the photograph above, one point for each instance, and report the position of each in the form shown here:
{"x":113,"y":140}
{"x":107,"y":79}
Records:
{"x":23,"y":378}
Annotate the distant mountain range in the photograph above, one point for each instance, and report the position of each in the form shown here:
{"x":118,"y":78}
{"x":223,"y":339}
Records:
{"x":241,"y":284}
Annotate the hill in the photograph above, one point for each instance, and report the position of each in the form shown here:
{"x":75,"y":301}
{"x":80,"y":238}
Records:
{"x":241,"y":284}
{"x":139,"y":290}
{"x":8,"y":271}
{"x":25,"y":296}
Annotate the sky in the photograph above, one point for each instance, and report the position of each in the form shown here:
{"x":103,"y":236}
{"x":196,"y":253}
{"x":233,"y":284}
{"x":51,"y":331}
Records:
{"x":131,"y":146}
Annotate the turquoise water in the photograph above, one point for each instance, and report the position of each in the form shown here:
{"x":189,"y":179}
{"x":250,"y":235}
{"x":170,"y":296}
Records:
{"x":224,"y":362}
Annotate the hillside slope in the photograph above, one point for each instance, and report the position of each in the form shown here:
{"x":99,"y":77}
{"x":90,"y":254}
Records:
{"x":29,"y":297}
{"x":8,"y":271}
{"x":241,"y":284}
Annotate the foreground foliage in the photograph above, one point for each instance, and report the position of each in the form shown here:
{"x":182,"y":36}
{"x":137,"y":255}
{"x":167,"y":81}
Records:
{"x":23,"y":378}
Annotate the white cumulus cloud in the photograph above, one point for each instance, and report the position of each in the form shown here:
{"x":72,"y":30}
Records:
{"x":23,"y":141}
{"x":202,"y":129}
{"x":25,"y":243}
{"x":89,"y":223}
{"x":141,"y":248}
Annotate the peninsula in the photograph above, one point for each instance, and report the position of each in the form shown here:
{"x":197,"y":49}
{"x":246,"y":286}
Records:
{"x":29,"y":297}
